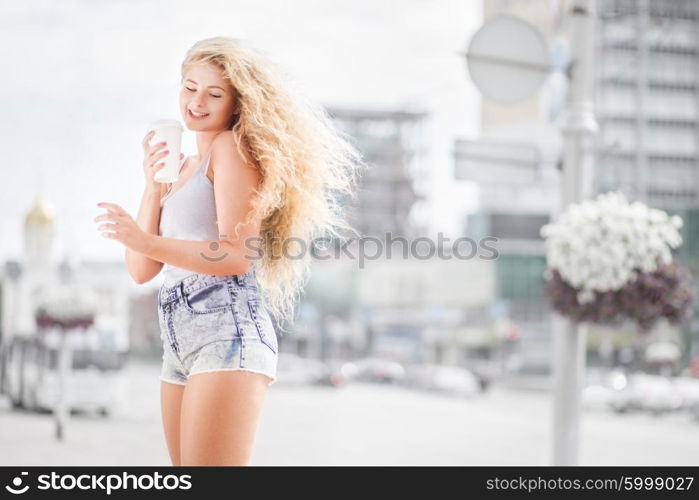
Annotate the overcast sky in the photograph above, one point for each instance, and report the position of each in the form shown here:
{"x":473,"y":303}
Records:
{"x":82,"y":79}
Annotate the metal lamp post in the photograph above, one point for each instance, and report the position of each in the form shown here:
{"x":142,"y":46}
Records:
{"x":67,"y":310}
{"x":494,"y":64}
{"x":579,"y":130}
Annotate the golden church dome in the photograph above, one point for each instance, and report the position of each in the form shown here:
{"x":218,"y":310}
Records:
{"x":40,"y":214}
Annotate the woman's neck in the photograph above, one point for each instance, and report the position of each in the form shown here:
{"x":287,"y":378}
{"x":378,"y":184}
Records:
{"x":204,"y":142}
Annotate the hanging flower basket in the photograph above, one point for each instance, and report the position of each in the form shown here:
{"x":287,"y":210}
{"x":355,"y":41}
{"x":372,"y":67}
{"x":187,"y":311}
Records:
{"x":66,"y":307}
{"x":609,"y":261}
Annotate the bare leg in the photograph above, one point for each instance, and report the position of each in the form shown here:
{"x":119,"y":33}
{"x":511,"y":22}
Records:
{"x":170,"y":404}
{"x":220,"y":413}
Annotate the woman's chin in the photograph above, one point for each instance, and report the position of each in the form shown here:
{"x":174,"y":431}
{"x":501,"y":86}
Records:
{"x":194,"y":125}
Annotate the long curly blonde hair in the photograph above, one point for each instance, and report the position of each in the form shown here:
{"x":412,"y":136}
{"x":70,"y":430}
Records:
{"x":309,"y":167}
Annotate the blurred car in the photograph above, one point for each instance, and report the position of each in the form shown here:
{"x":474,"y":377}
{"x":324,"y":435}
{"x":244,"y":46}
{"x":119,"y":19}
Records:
{"x":444,"y":378}
{"x":456,"y":380}
{"x":379,"y":370}
{"x":348,"y":370}
{"x":334,"y":374}
{"x":600,"y":386}
{"x":296,"y":370}
{"x":694,"y":410}
{"x":485,"y":373}
{"x":653,"y":393}
{"x":688,"y":389}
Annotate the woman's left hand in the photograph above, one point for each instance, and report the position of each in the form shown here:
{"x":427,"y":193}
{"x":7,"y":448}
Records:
{"x":122,"y":226}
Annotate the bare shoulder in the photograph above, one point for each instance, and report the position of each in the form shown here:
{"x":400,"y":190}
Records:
{"x":228,"y":148}
{"x":229,"y":163}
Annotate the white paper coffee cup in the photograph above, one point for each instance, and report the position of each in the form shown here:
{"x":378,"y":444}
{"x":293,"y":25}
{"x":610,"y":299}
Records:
{"x":169,"y":131}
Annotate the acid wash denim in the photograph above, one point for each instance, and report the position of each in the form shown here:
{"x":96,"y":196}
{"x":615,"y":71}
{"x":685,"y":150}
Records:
{"x":215,"y":323}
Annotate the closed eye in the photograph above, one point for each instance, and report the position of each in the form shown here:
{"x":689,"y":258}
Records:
{"x":212,"y":95}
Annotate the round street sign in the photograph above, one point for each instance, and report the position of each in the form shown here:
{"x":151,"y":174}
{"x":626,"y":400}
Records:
{"x":508,"y":59}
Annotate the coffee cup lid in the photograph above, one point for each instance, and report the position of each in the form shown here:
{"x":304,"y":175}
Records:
{"x":166,"y":123}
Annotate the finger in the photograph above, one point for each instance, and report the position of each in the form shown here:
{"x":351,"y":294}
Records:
{"x":111,"y":216}
{"x":112,"y":207}
{"x":147,"y":139}
{"x":111,"y":213}
{"x":156,"y":147}
{"x":110,"y":227}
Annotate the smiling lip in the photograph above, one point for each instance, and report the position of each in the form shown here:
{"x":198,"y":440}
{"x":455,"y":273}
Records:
{"x":189,"y":112}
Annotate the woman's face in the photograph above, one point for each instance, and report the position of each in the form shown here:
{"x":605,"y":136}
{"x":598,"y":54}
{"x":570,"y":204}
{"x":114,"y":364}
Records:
{"x":205,"y":91}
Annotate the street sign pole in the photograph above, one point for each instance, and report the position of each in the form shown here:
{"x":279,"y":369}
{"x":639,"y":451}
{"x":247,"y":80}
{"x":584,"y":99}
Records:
{"x":579,"y":130}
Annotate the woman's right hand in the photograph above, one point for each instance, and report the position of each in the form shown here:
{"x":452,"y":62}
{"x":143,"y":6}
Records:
{"x":151,"y":161}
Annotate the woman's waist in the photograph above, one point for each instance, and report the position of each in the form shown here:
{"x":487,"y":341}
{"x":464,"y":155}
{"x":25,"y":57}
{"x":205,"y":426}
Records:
{"x":193,"y":282}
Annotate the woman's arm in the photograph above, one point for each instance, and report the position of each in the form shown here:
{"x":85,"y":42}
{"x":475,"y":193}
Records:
{"x":234,"y":188}
{"x":142,"y":268}
{"x":215,"y":258}
{"x":235,"y":181}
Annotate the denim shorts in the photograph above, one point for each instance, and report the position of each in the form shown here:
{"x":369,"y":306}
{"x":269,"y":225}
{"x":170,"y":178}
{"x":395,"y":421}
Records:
{"x":215,"y":323}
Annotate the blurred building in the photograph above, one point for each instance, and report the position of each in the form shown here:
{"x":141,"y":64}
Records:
{"x":518,"y":190}
{"x":409,"y":307}
{"x":390,"y":142}
{"x":648,"y":102}
{"x":404,"y":307}
{"x":516,"y":164}
{"x":648,"y":111}
{"x":23,"y":283}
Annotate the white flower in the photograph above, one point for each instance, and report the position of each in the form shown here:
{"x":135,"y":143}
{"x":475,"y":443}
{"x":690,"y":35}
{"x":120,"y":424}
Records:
{"x":68,"y":302}
{"x":601,"y":244}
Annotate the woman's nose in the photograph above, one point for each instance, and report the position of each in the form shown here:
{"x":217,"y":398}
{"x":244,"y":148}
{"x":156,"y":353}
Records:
{"x":197,"y":100}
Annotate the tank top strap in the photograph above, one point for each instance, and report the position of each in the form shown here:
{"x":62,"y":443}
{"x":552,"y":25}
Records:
{"x":169,"y":189}
{"x":205,"y":167}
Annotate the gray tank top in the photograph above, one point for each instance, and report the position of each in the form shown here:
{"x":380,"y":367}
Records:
{"x":189,"y":213}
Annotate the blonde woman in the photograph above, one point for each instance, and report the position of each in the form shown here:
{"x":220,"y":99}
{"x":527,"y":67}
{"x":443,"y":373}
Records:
{"x":271,"y":173}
